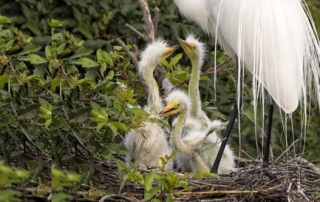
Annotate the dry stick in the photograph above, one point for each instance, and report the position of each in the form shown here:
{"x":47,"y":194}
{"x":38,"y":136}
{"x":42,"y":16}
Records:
{"x":139,"y":34}
{"x":283,"y":153}
{"x":115,"y":196}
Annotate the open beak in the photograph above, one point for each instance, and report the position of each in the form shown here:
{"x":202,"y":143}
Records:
{"x":170,"y":50}
{"x":169,"y":110}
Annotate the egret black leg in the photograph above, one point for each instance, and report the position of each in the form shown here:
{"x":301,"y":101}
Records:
{"x":233,"y":117}
{"x":266,"y":150}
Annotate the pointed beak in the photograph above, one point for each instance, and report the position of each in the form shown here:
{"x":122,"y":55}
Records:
{"x":184,"y":44}
{"x":169,"y":110}
{"x":170,"y":50}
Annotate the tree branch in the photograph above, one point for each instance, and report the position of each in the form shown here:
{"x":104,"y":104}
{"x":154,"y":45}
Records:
{"x":134,"y":59}
{"x":150,"y":34}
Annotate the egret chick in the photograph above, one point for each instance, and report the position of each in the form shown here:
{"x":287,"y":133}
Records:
{"x":196,"y":52}
{"x":197,"y":148}
{"x":275,"y":40}
{"x":146,"y":151}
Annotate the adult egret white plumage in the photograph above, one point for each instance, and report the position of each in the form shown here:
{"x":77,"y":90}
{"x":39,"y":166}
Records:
{"x":196,"y":52}
{"x":275,"y":40}
{"x":197,"y":147}
{"x":146,"y":151}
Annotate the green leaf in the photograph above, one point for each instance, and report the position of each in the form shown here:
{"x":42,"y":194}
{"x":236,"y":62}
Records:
{"x":86,"y":63}
{"x":110,"y":75}
{"x":99,"y":111}
{"x":159,"y":121}
{"x":33,"y":27}
{"x":150,"y":194}
{"x":120,"y":126}
{"x":118,"y":148}
{"x":80,"y":115}
{"x":45,"y":104}
{"x":9,"y":195}
{"x":175,"y":59}
{"x":103,"y":68}
{"x":58,"y":197}
{"x":4,"y":20}
{"x":83,"y":29}
{"x":29,"y":112}
{"x":101,"y":125}
{"x":56,"y":23}
{"x":34,"y":59}
{"x":169,"y":198}
{"x":107,"y":155}
{"x":104,"y":57}
{"x":148,"y":181}
{"x":8,"y":44}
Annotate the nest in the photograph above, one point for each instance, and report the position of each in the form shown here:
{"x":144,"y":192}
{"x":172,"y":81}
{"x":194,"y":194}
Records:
{"x":295,"y":179}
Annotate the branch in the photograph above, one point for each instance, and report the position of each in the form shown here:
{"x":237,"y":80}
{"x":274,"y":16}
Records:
{"x":139,"y":34}
{"x":162,"y":80}
{"x":149,"y":37}
{"x":155,"y":20}
{"x":134,"y":59}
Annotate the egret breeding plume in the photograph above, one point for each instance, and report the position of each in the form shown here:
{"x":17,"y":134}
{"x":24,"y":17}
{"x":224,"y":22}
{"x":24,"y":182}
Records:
{"x":148,"y":143}
{"x":275,"y":40}
{"x":196,"y":52}
{"x":197,"y":148}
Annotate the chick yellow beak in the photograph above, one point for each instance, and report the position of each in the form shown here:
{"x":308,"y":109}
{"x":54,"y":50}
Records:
{"x":169,"y":110}
{"x":187,"y":46}
{"x":170,"y":50}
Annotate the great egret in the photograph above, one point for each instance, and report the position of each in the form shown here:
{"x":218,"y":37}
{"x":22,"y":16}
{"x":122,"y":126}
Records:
{"x":196,"y":52}
{"x":197,"y":148}
{"x":275,"y":40}
{"x":146,"y":151}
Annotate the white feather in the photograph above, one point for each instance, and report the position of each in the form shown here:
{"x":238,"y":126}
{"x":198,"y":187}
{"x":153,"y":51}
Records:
{"x":273,"y":39}
{"x":199,"y":147}
{"x":148,"y":144}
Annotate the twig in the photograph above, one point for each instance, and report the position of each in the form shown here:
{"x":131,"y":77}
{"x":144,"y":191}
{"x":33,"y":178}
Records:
{"x":285,"y":151}
{"x":139,"y":34}
{"x":115,"y":196}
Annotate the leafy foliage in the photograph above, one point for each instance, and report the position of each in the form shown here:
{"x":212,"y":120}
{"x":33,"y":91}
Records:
{"x":167,"y":182}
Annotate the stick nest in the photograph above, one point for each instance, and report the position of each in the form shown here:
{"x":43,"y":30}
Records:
{"x":295,"y":179}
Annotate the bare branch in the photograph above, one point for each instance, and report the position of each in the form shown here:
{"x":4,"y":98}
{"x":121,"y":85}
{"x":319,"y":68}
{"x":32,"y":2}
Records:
{"x":134,"y":59}
{"x":147,"y":21}
{"x":155,"y":20}
{"x":132,"y":56}
{"x":136,"y":31}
